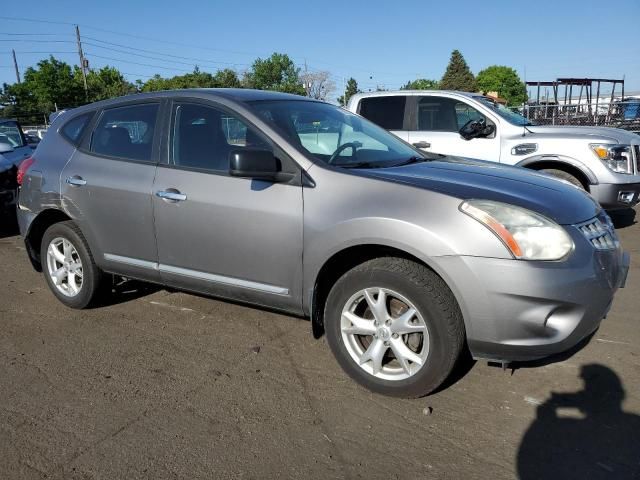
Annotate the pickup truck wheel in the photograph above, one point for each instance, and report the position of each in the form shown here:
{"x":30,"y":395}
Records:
{"x":394,"y":327}
{"x":68,"y":265}
{"x":563,"y":176}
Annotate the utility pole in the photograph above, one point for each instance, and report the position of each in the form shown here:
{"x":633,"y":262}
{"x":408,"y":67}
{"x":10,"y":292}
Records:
{"x":15,"y":64}
{"x":82,"y":64}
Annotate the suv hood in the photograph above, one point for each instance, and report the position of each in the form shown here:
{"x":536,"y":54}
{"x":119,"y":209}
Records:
{"x":466,"y":179}
{"x":588,"y":133}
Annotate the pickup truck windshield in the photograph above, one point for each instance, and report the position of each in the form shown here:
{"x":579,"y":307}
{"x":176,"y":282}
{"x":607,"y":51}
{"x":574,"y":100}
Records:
{"x":335,"y":136}
{"x":509,"y":115}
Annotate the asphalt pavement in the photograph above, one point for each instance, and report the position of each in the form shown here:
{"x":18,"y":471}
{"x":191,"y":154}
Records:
{"x":162,"y":384}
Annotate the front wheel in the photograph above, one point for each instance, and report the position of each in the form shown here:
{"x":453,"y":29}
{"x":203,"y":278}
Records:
{"x":394,"y":327}
{"x":567,"y":177}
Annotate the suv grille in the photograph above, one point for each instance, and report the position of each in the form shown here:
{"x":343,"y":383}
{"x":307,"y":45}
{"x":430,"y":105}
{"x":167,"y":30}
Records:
{"x":600,"y":232}
{"x":636,"y":152}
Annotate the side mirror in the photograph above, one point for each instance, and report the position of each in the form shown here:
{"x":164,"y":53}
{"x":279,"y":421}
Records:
{"x":476,"y":128}
{"x":6,"y":147}
{"x":253,"y":163}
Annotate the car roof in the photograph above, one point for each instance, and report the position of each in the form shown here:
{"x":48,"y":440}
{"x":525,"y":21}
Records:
{"x":393,"y":93}
{"x":234,"y":94}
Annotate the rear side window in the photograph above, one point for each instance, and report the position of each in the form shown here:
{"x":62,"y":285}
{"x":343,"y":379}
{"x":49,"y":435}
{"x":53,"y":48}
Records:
{"x":126,"y":132}
{"x":74,"y":128}
{"x":388,"y":112}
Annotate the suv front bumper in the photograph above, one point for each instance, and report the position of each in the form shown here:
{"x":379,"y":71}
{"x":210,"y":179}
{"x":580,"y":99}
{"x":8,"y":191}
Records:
{"x":614,"y":196}
{"x":523,"y":310}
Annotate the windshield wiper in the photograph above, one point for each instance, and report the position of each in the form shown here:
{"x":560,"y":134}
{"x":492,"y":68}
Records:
{"x":358,"y":165}
{"x":410,"y":160}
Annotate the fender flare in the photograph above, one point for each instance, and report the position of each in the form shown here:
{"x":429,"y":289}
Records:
{"x":528,"y":162}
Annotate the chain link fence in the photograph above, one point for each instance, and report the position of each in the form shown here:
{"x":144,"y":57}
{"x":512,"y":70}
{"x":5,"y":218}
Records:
{"x":625,"y":115}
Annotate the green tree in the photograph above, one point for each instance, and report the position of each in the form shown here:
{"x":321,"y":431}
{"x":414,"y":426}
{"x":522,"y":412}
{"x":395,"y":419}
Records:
{"x":421,"y":84}
{"x":105,"y":83}
{"x":350,"y":90}
{"x":278,"y":72}
{"x":458,"y":76}
{"x":503,"y":80}
{"x":51,"y":83}
{"x":195,"y":79}
{"x":227,"y":78}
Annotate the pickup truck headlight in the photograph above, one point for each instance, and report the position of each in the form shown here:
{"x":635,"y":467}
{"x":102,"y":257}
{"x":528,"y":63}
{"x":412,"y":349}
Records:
{"x":617,"y":158}
{"x":527,"y":235}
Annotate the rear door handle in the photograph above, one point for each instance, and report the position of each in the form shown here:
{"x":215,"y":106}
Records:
{"x":76,"y":181}
{"x":171,"y":195}
{"x":422,"y":145}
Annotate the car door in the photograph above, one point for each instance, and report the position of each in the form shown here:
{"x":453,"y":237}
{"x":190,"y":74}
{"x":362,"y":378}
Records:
{"x":387,"y":111}
{"x":11,"y":134}
{"x":436,"y":124}
{"x":233,"y":237}
{"x":106,"y":188}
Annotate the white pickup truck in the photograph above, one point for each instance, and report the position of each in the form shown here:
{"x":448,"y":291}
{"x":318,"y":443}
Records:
{"x":603,"y":161}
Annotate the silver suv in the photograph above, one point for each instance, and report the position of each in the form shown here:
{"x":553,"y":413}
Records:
{"x":403,"y":258}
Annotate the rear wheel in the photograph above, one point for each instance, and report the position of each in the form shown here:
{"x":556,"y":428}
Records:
{"x":68,"y":265}
{"x":394,"y":327}
{"x":561,"y":174}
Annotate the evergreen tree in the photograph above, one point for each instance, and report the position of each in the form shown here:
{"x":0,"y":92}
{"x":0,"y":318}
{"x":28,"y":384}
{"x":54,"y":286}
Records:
{"x":350,"y":90}
{"x":458,"y":76}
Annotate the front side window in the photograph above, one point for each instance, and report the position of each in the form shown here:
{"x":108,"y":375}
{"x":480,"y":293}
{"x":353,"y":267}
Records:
{"x":386,"y":111}
{"x":126,"y":132}
{"x":10,"y":133}
{"x":333,"y":135}
{"x":203,"y":137}
{"x":466,"y":113}
{"x":74,"y":128}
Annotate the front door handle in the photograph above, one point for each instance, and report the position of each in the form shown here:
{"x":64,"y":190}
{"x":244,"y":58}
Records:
{"x":171,"y":195}
{"x":422,"y":145}
{"x":76,"y":181}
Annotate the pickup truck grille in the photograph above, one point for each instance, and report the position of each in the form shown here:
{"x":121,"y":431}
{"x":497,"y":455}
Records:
{"x":600,"y":232}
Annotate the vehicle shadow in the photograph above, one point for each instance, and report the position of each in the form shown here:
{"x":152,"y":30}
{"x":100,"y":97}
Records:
{"x":124,"y":290}
{"x":584,"y":434}
{"x":8,"y":224}
{"x":623,"y":218}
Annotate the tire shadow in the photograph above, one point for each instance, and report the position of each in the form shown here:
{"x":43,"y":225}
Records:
{"x":623,"y":218}
{"x":584,"y":434}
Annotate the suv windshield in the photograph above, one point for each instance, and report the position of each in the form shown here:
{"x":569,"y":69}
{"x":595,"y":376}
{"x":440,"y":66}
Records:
{"x":10,"y":133}
{"x":509,"y":115}
{"x":335,"y":136}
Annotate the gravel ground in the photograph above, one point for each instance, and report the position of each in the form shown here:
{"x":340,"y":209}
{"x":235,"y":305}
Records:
{"x":162,"y":384}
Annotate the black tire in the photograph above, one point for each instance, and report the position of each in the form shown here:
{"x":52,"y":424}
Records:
{"x":92,"y":276}
{"x":561,"y":174}
{"x":431,"y":297}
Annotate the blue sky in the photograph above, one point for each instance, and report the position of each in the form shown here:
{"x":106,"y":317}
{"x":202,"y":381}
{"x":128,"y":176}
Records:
{"x":378,"y":43}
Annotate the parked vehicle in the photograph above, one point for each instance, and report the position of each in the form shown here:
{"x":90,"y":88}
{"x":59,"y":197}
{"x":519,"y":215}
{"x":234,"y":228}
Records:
{"x":603,"y":161}
{"x":403,"y":258}
{"x":13,"y":151}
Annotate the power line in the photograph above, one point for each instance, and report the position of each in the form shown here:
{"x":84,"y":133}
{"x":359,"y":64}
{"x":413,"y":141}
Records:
{"x":136,"y":63}
{"x":199,"y":62}
{"x":169,"y":42}
{"x":162,"y":53}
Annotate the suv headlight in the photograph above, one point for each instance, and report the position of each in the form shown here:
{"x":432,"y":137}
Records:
{"x":617,"y":158}
{"x":528,"y":235}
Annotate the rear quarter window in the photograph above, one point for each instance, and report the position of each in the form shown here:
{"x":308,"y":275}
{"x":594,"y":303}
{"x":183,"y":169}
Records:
{"x":74,"y":128}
